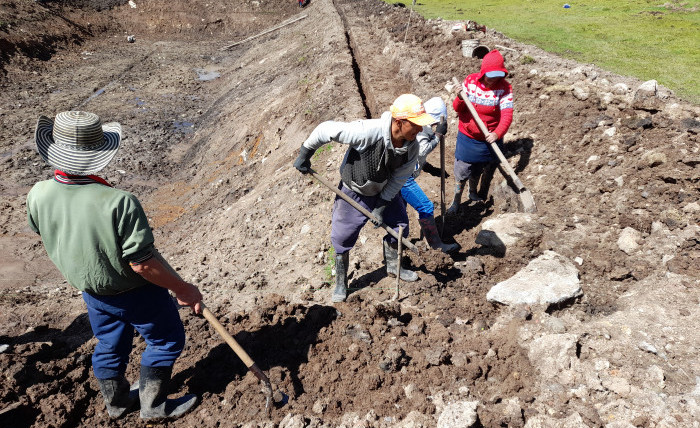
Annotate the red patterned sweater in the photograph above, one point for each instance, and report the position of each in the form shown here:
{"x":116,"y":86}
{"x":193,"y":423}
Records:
{"x":494,"y":106}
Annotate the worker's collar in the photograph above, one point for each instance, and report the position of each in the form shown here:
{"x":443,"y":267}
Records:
{"x":64,"y":178}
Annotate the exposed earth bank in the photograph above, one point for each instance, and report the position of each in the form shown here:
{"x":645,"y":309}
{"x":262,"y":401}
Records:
{"x":210,"y":134}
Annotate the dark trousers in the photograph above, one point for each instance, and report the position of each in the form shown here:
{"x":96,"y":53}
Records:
{"x":348,"y":221}
{"x":149,"y":310}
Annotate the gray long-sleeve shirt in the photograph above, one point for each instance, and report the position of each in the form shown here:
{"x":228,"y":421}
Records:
{"x":363,"y":136}
{"x":427,"y":140}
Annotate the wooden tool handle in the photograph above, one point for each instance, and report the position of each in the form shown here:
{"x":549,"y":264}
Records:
{"x":485,"y":131}
{"x":360,"y":208}
{"x":242,"y":354}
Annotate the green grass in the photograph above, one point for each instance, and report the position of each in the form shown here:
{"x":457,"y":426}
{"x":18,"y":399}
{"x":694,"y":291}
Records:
{"x":326,"y":148}
{"x":330,"y":264}
{"x":647,"y":39}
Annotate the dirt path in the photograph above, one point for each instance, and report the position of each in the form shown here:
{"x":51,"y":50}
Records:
{"x":210,"y":135}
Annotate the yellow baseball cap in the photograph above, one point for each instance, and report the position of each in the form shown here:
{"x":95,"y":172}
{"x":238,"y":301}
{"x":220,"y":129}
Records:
{"x":410,"y":107}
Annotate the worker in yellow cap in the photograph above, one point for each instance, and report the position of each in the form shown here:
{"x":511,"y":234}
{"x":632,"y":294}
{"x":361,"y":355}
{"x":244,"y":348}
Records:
{"x":381,"y":156}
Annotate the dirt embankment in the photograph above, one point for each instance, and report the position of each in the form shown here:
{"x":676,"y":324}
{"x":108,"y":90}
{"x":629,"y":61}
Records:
{"x":210,"y":135}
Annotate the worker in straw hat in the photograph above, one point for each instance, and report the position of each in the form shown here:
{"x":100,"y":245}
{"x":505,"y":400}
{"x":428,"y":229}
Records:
{"x":381,"y":156}
{"x":100,"y":240}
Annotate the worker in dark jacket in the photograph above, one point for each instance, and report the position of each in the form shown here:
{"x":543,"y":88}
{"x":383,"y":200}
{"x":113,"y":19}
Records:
{"x":100,"y":240}
{"x":381,"y":156}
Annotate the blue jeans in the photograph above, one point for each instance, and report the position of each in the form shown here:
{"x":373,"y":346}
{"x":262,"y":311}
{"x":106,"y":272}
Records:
{"x":149,"y":310}
{"x":348,"y":221}
{"x":415,"y":197}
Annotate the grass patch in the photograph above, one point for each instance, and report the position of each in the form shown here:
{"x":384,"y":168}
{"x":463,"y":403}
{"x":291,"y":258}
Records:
{"x":329,"y":268}
{"x":647,"y":39}
{"x":527,"y":59}
{"x":326,"y":148}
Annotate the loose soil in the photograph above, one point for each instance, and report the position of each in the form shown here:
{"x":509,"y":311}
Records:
{"x":209,"y":138}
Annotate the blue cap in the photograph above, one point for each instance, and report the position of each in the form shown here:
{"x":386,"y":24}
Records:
{"x":495,"y":74}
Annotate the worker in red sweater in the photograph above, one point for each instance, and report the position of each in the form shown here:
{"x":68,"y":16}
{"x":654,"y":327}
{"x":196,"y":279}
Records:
{"x":492,"y":97}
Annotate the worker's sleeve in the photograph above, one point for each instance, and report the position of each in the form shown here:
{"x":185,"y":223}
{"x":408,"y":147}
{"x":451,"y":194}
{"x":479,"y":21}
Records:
{"x":506,"y":106}
{"x":400,"y":175}
{"x":134,"y":231}
{"x":460,"y":106}
{"x":352,"y":133}
{"x":30,"y":218}
{"x":427,"y":141}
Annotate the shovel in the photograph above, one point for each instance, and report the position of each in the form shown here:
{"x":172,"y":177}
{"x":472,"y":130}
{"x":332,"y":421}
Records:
{"x":243,"y":355}
{"x":361,"y":209}
{"x":526,"y":199}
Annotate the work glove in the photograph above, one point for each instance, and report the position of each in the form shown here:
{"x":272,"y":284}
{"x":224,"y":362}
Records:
{"x":378,"y":212}
{"x":303,"y":161}
{"x":441,"y":127}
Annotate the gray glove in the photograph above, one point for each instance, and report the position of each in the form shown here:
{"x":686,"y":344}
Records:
{"x":303,"y":161}
{"x":441,"y":127}
{"x":378,"y":212}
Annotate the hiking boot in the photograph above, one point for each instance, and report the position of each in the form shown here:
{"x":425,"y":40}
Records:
{"x":433,"y":237}
{"x":119,"y":397}
{"x":341,"y":277}
{"x":153,"y":393}
{"x":391,"y":256}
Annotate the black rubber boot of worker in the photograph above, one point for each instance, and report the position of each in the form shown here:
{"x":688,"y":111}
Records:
{"x":391,"y":256}
{"x":119,"y":397}
{"x":473,"y":189}
{"x":454,"y":208}
{"x":341,"y":277}
{"x":153,"y":393}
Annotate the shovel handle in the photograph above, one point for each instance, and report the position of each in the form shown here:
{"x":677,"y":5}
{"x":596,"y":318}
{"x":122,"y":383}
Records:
{"x":360,"y":208}
{"x":485,"y":131}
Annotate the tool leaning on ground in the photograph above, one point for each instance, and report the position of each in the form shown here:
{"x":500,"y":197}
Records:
{"x":361,"y":209}
{"x":442,"y":179}
{"x":267,"y":388}
{"x":526,"y":199}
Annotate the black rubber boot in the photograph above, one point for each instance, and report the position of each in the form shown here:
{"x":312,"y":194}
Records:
{"x":473,"y":189}
{"x":153,"y":392}
{"x":433,"y":237}
{"x":341,"y":277}
{"x":459,"y":188}
{"x":391,"y":256}
{"x":119,"y":397}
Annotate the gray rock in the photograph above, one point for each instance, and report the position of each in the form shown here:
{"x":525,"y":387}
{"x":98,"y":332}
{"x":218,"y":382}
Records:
{"x":549,"y":279}
{"x":652,"y":159}
{"x":292,"y":421}
{"x":629,"y":240}
{"x":620,"y":89}
{"x":460,"y":414}
{"x":503,"y":231}
{"x":552,"y":354}
{"x":581,"y":93}
{"x":646,"y":97}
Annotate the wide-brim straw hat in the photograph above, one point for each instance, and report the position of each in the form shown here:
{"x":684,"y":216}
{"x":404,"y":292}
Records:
{"x":76,"y":142}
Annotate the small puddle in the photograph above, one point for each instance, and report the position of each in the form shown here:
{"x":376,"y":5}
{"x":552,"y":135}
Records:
{"x":206,"y":75}
{"x":183,"y":126}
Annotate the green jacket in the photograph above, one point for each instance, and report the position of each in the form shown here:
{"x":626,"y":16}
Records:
{"x":91,"y":232}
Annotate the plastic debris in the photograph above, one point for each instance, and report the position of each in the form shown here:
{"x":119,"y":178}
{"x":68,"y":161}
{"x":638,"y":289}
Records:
{"x":567,"y":6}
